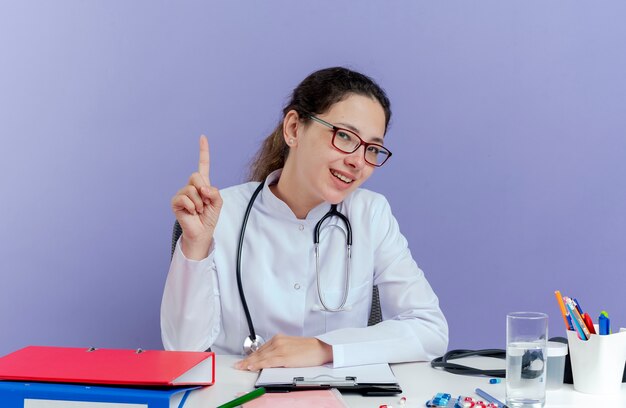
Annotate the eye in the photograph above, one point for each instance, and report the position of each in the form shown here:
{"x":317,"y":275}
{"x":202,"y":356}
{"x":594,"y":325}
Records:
{"x":373,"y":149}
{"x":344,"y":135}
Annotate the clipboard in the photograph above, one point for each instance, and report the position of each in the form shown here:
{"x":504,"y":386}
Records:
{"x":372,"y":379}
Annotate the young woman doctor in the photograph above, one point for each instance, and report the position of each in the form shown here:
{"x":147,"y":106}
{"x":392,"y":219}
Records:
{"x":312,"y":308}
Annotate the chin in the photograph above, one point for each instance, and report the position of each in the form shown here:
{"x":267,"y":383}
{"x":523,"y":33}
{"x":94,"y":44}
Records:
{"x":335,"y":192}
{"x":335,"y":197}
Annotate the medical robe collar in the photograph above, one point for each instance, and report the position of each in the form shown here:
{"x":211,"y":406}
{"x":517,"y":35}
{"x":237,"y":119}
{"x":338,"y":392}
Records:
{"x":280,"y":209}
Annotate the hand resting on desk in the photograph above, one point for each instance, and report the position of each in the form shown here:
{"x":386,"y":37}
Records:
{"x":288,"y":351}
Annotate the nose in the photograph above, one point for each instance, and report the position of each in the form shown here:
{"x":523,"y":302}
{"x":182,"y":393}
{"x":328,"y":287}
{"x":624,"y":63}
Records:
{"x":356,"y":159}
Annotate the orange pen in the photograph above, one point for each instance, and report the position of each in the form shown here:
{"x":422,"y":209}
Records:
{"x":559,"y":299}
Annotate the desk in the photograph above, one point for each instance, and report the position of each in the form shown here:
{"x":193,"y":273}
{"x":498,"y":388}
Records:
{"x":418,"y":380}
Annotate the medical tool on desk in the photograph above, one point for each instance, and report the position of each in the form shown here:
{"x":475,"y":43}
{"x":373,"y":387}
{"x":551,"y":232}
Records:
{"x":454,"y":368}
{"x":530,"y":361}
{"x":254,"y":341}
{"x":490,"y":398}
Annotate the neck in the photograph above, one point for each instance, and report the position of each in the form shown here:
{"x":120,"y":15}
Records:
{"x":296,"y":198}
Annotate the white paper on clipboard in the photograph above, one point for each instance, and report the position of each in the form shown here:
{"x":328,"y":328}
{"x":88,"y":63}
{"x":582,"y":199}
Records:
{"x":363,"y":374}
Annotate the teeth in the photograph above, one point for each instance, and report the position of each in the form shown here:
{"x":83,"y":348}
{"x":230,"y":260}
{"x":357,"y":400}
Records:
{"x":342,"y":177}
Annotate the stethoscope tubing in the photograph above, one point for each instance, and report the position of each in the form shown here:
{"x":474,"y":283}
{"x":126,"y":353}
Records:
{"x":254,"y":341}
{"x":242,"y":296}
{"x":316,"y":241}
{"x":333,"y":212}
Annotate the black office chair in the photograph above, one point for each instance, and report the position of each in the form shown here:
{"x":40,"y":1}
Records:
{"x":375,"y":312}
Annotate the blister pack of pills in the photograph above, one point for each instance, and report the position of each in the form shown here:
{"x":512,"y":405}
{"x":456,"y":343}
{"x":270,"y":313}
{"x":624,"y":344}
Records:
{"x":446,"y":400}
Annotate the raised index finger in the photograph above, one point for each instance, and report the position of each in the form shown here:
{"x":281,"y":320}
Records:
{"x":203,"y":163}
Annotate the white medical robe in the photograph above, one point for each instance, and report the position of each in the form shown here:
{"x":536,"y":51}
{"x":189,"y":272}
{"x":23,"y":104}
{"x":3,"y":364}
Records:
{"x":201,"y":307}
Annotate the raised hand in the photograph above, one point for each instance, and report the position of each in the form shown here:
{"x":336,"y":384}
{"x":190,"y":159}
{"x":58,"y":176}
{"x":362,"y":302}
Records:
{"x":197,"y":208}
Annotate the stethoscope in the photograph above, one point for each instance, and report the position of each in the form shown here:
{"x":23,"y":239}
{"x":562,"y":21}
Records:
{"x":254,"y":341}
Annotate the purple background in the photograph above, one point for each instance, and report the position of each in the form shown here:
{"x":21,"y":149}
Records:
{"x":508,"y":176}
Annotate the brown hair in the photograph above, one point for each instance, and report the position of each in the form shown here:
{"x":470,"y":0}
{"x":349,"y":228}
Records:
{"x":315,"y":95}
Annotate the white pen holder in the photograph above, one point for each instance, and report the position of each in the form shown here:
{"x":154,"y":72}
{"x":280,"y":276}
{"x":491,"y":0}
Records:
{"x":598,"y":363}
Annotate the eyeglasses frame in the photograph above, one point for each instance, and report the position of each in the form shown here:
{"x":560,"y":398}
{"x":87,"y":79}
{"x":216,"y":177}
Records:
{"x":336,"y":129}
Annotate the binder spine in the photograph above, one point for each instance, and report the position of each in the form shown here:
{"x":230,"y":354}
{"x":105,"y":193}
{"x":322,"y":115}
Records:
{"x":16,"y":394}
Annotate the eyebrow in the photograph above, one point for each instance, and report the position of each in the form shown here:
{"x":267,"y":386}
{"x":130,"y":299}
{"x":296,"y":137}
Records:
{"x":378,"y":140}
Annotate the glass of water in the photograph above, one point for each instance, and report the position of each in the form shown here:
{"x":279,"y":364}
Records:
{"x":526,"y":358}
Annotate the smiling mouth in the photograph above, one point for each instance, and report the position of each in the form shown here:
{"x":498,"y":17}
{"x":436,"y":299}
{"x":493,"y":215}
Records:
{"x":342,"y":177}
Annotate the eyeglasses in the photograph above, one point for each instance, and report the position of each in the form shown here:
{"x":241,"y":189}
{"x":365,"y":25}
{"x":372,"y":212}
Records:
{"x":347,"y":141}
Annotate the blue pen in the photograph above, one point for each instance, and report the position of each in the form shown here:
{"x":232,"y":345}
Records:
{"x":580,"y":309}
{"x":490,"y":398}
{"x":604,"y":324}
{"x":569,"y":320}
{"x":581,"y":333}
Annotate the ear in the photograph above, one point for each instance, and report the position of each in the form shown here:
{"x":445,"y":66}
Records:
{"x":291,"y":124}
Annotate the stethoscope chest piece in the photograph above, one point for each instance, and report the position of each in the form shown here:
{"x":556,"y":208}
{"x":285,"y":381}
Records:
{"x":250,"y":346}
